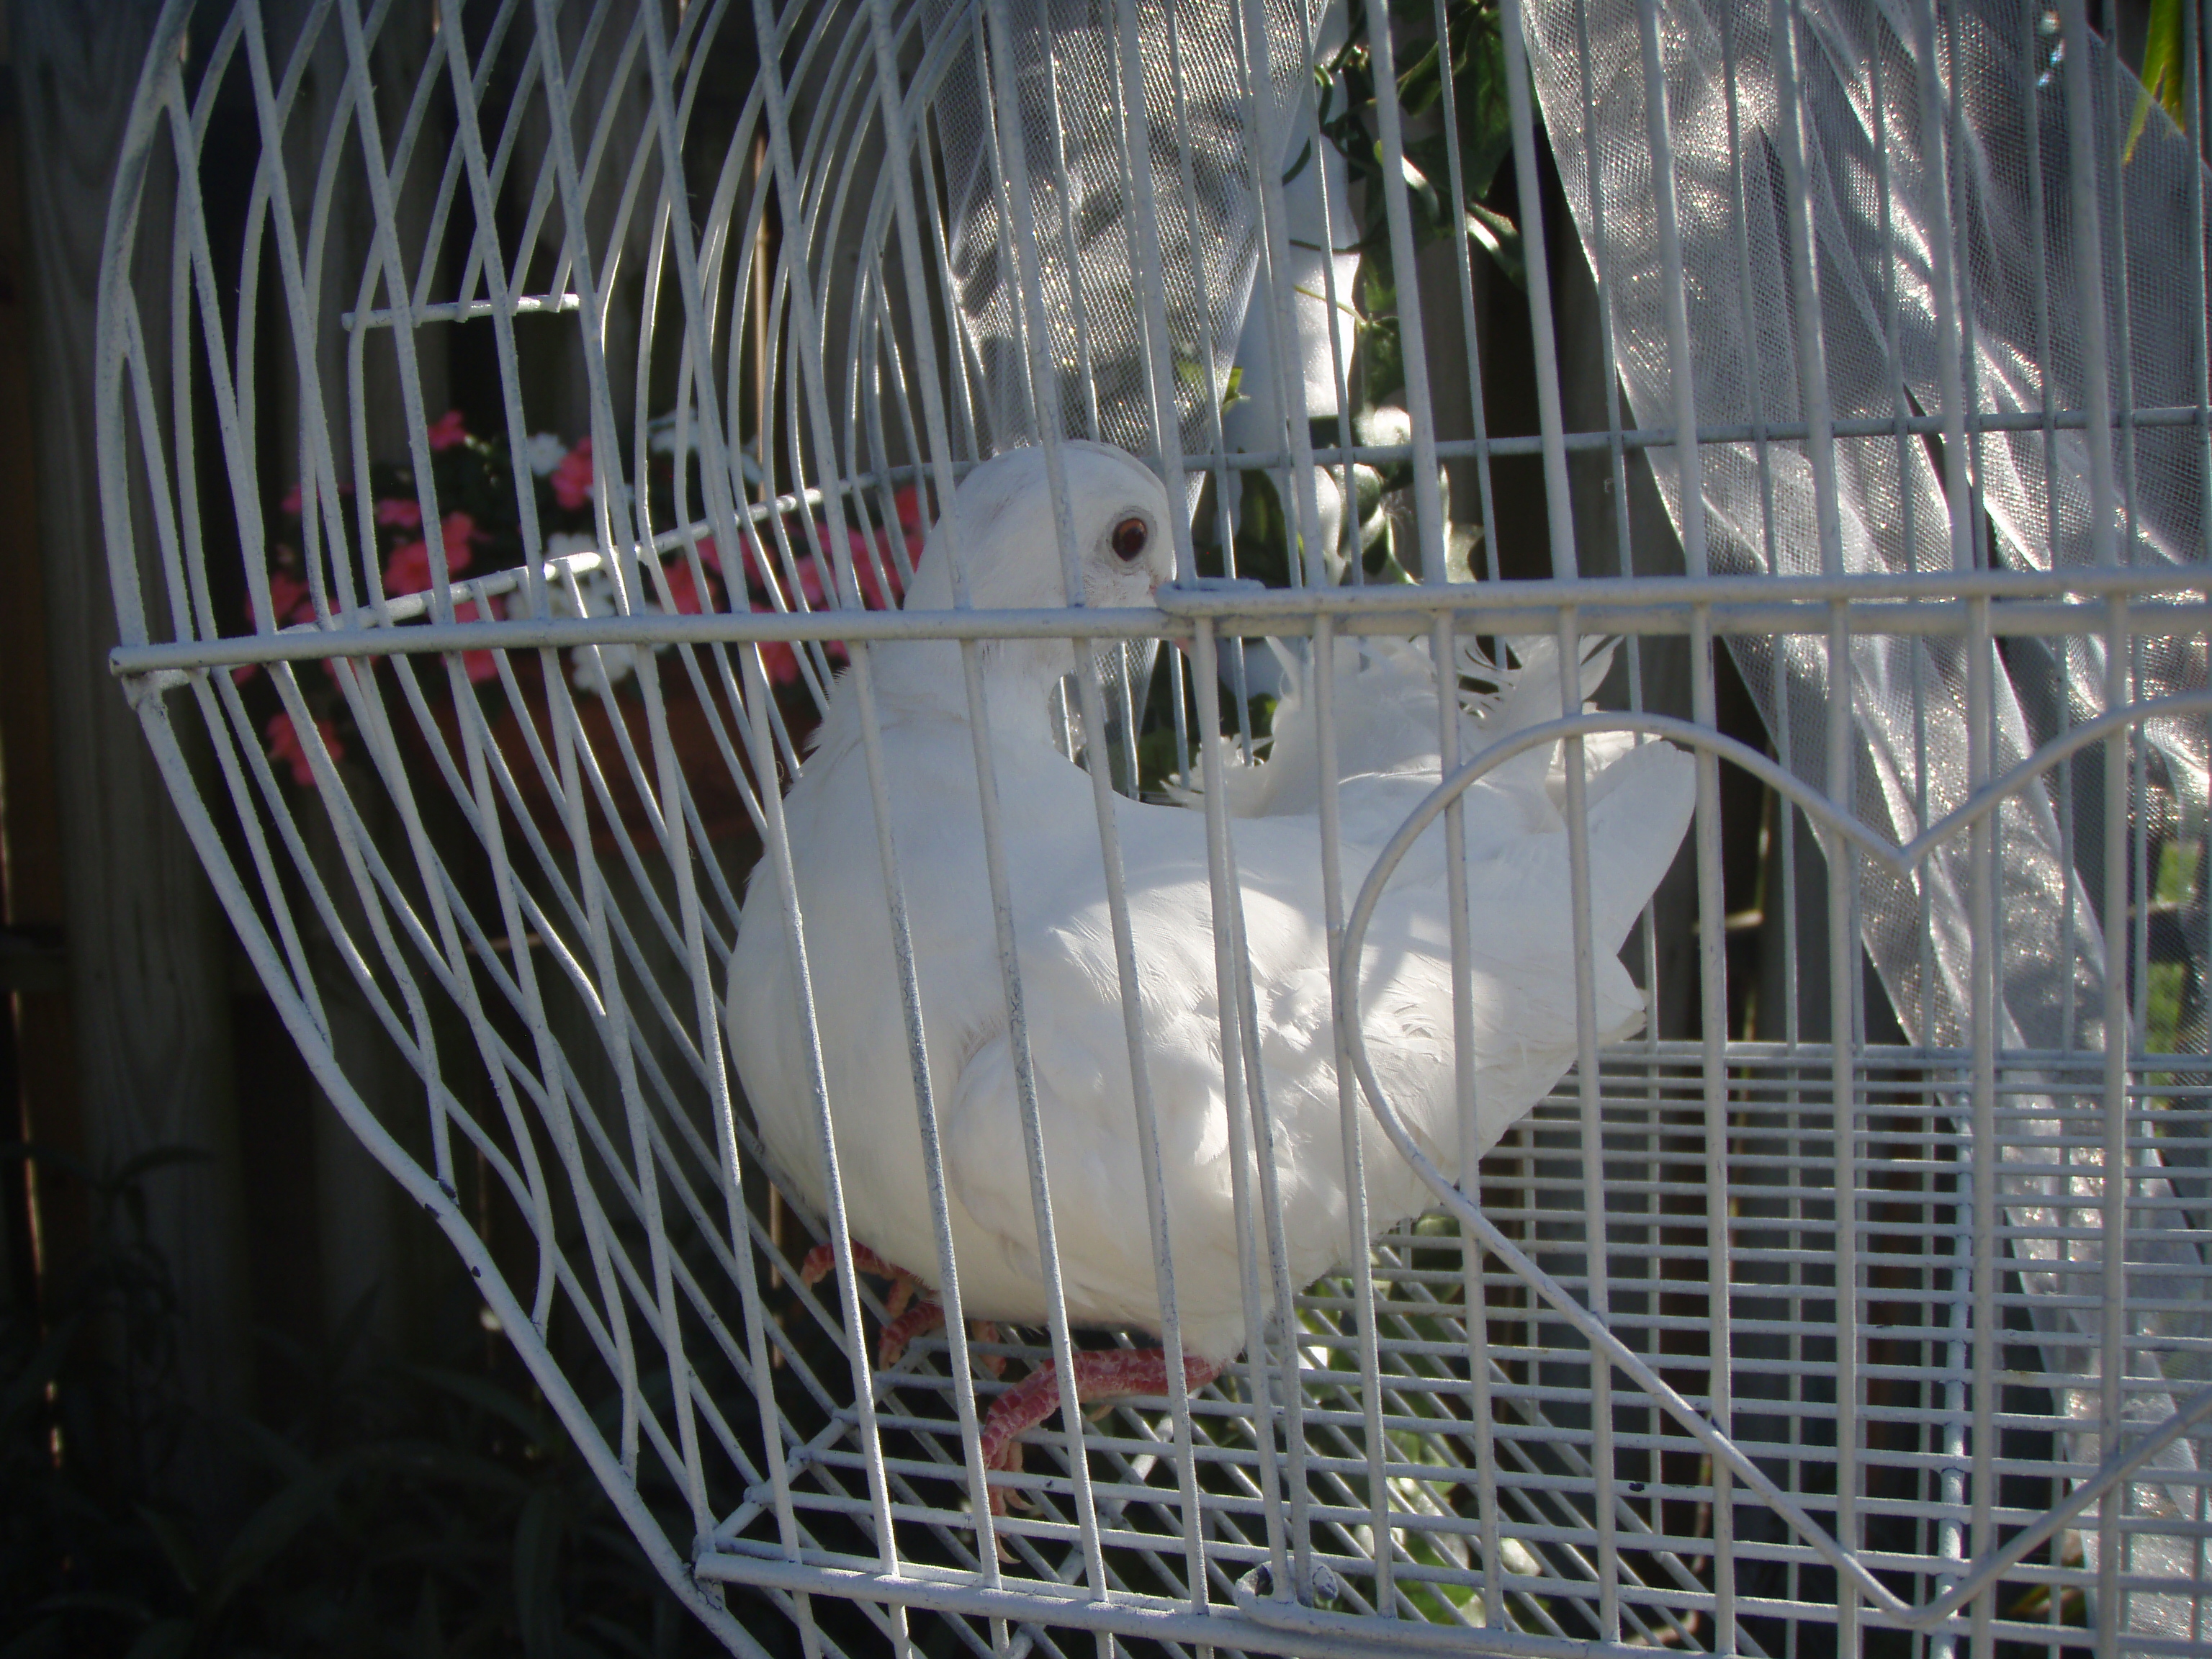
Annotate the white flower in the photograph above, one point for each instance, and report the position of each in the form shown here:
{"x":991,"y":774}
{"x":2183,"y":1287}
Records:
{"x":563,"y":542}
{"x":591,"y":594}
{"x":612,"y":664}
{"x":660,"y":436}
{"x":603,"y":670}
{"x":1384,"y":427}
{"x":543,"y":451}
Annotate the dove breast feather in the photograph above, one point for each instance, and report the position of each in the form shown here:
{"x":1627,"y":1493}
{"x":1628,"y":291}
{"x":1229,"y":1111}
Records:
{"x":1521,"y":977}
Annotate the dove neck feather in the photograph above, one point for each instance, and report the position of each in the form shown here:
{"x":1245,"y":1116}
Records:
{"x":922,"y":680}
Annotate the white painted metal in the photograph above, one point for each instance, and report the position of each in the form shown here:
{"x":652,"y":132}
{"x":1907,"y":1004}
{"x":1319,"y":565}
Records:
{"x":1937,"y":1411}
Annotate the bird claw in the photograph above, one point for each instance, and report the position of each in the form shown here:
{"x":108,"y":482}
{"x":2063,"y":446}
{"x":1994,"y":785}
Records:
{"x":1003,"y":1499}
{"x":903,"y":1328}
{"x":1101,"y":1379}
{"x":902,"y":1289}
{"x":821,"y":1261}
{"x":909,"y":1310}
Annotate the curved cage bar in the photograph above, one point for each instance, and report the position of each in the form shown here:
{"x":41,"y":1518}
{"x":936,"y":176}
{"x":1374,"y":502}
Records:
{"x":522,"y":424}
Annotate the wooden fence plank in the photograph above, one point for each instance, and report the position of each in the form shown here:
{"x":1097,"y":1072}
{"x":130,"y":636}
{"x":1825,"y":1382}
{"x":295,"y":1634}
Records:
{"x":146,"y":962}
{"x":43,"y":1106}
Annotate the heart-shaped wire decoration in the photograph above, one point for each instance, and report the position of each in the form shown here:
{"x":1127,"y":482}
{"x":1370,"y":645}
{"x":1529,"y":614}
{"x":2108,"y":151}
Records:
{"x":1839,"y":825}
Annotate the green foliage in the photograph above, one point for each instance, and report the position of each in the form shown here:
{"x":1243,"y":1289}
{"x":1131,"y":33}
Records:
{"x":400,"y":1508}
{"x":1473,"y":49}
{"x":1160,"y":763}
{"x":2165,"y":67}
{"x":1267,"y":535}
{"x":1449,"y":88}
{"x":2167,"y":994}
{"x":1436,"y":1445}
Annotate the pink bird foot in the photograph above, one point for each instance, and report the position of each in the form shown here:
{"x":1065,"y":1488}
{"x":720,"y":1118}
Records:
{"x":982,"y":1330}
{"x":891,"y":1341}
{"x":821,"y":1261}
{"x":1102,"y":1375}
{"x":910,"y":1311}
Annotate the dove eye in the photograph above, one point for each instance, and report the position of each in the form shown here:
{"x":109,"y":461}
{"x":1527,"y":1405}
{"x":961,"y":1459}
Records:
{"x":1129,"y":537}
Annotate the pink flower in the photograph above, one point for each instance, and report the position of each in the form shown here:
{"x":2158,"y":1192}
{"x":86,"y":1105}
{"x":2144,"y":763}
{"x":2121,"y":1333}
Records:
{"x":572,"y":479}
{"x":777,"y":656}
{"x":447,"y":431}
{"x":865,"y":559}
{"x":291,"y":503}
{"x":870,"y":565}
{"x":709,"y":555}
{"x":400,"y":512}
{"x":682,"y":589}
{"x":479,"y":665}
{"x":912,"y":530}
{"x":285,"y":748}
{"x":243,"y":672}
{"x":813,"y":582}
{"x":768,"y":578}
{"x":408,"y":570}
{"x":288,"y":599}
{"x":780,"y":661}
{"x":867,"y":556}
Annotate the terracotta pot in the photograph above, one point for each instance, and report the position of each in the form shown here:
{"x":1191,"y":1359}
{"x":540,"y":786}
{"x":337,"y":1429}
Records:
{"x":690,"y":731}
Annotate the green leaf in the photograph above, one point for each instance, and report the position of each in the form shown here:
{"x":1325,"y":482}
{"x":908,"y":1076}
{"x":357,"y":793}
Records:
{"x":118,"y":1607}
{"x":45,"y":1640}
{"x":1381,"y":356}
{"x":1422,"y":84}
{"x":624,"y":1640}
{"x":1485,"y":111}
{"x":1500,"y":238}
{"x":536,"y":1556}
{"x":1421,"y":195}
{"x":153,"y":1158}
{"x":183,"y":1559}
{"x":353,"y":1327}
{"x":283,"y":1456}
{"x":429,"y":1628}
{"x":451,"y":1466}
{"x":2165,"y":51}
{"x":1369,"y":487}
{"x":172,"y":1638}
{"x":272,"y":1528}
{"x":486,"y":1396}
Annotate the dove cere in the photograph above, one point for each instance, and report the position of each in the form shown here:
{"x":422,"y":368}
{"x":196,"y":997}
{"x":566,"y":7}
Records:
{"x":1521,"y":968}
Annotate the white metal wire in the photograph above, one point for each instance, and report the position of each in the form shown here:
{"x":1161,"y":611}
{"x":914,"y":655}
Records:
{"x":1644,"y":1379}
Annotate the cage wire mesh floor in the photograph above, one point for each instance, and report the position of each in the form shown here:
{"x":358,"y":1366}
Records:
{"x":468,"y":714}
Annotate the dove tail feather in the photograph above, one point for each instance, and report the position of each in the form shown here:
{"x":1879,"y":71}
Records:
{"x":1640,"y":808}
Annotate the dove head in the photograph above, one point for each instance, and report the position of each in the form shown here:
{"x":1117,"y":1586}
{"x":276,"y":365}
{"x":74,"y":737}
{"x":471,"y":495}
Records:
{"x":1000,"y":526}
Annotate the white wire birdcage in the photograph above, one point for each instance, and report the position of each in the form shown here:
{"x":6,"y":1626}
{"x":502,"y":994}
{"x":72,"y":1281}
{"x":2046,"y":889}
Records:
{"x":1927,"y":282}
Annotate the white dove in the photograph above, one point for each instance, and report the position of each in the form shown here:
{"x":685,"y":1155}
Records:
{"x":1521,"y":954}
